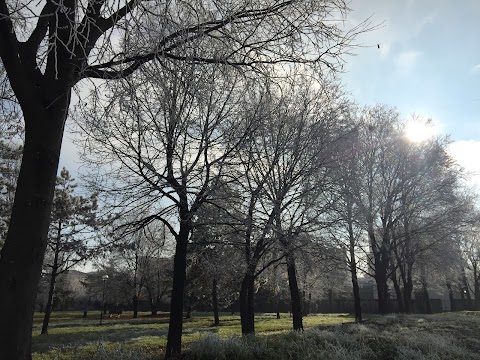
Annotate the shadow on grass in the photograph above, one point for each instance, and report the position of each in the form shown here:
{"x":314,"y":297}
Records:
{"x":77,"y":335}
{"x":86,"y":336}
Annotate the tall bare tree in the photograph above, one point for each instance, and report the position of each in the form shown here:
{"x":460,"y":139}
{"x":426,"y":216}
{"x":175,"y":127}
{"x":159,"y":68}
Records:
{"x":407,"y":196}
{"x":169,"y":135}
{"x":48,"y":47}
{"x":283,"y":167}
{"x":309,"y":129}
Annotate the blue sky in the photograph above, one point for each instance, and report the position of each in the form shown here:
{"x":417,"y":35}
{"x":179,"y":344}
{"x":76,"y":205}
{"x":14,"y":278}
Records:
{"x":428,"y":64}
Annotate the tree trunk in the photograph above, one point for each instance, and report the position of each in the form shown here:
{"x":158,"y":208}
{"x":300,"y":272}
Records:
{"x":135,"y":306}
{"x":151,"y":301}
{"x":247,"y":314}
{"x":398,"y":292}
{"x":476,"y":287}
{"x":24,"y":249}
{"x":174,"y":338}
{"x":48,"y":308}
{"x":135,"y":274}
{"x":407,"y":292}
{"x":294,"y":293}
{"x":450,"y":296}
{"x":356,"y":298}
{"x":426,"y":297}
{"x":188,"y":314}
{"x":353,"y":266}
{"x":467,"y":290}
{"x":462,"y":291}
{"x":382,"y":288}
{"x":381,"y":261}
{"x":330,"y":300}
{"x":53,"y":277}
{"x":153,"y":308}
{"x":215,"y":303}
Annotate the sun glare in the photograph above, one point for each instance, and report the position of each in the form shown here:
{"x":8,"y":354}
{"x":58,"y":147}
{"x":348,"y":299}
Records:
{"x":420,"y":130}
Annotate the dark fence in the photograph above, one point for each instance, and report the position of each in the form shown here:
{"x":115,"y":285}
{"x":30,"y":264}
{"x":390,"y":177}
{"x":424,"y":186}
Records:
{"x":463,"y":304}
{"x":370,"y":306}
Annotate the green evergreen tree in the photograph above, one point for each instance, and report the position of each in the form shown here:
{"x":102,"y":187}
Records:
{"x":72,"y":229}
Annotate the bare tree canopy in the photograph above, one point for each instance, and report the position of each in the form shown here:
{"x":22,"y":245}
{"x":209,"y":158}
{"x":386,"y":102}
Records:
{"x":47,"y":47}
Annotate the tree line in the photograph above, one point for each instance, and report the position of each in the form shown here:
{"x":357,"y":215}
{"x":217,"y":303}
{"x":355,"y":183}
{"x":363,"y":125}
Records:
{"x":222,"y":124}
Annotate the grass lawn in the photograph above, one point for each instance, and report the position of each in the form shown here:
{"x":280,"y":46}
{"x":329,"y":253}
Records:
{"x":70,"y":335}
{"x":333,"y":336}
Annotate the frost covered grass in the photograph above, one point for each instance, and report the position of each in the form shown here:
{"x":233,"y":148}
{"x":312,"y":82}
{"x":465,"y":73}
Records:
{"x":402,"y":337}
{"x":70,"y":336}
{"x":399,"y":337}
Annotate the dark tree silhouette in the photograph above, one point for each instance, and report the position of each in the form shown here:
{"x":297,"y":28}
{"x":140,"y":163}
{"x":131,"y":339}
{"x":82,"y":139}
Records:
{"x":47,"y":48}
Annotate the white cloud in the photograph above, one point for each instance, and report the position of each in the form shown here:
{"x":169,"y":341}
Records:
{"x":406,"y":60}
{"x":475,"y":69}
{"x":466,"y":152}
{"x":400,"y":21}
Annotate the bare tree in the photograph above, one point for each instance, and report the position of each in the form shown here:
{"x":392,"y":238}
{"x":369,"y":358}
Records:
{"x":308,"y":129}
{"x":47,"y":48}
{"x":469,"y":246}
{"x":168,"y":135}
{"x":347,"y":233}
{"x":143,"y":256}
{"x":406,"y":194}
{"x":431,"y":209}
{"x":374,"y":190}
{"x":283,"y":168}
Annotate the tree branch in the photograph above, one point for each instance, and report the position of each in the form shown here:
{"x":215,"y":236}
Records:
{"x":174,"y":40}
{"x":9,"y":53}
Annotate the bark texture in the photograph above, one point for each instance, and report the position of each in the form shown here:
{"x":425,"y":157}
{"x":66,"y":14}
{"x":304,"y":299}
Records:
{"x":174,"y":339}
{"x":294,"y":293}
{"x":247,"y":313}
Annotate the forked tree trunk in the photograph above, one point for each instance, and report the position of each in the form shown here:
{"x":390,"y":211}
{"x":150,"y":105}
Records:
{"x":398,"y":292}
{"x":247,"y":313}
{"x":407,"y":292}
{"x":215,"y":303}
{"x":174,"y":339}
{"x":24,"y":249}
{"x":381,"y":267}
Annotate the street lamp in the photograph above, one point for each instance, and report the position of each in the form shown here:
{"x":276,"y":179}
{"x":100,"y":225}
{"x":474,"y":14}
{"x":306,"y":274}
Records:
{"x":104,"y":279}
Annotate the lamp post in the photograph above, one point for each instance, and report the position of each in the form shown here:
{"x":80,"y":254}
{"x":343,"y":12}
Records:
{"x":104,"y":279}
